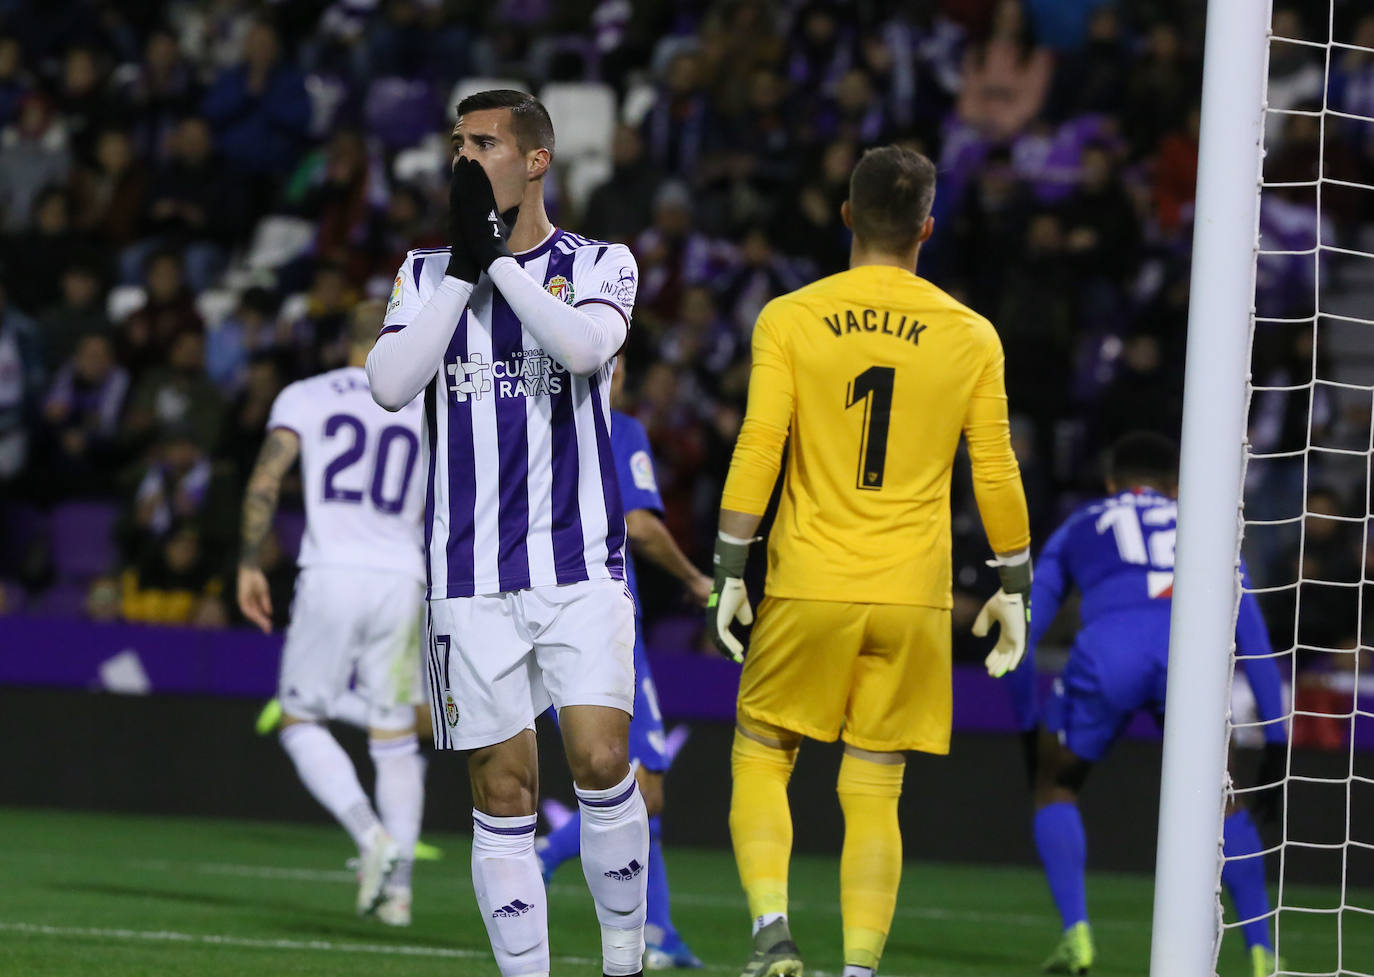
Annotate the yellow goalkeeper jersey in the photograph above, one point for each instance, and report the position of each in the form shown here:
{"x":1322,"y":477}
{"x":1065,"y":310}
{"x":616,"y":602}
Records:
{"x":875,"y":373}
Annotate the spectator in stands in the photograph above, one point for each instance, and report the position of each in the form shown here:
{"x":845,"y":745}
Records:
{"x":319,"y":336}
{"x":671,"y":254}
{"x":172,"y":487}
{"x":15,"y":81}
{"x":1102,"y":230}
{"x":245,"y":422}
{"x":110,"y":193}
{"x":174,"y":581}
{"x":34,"y":259}
{"x":409,"y":223}
{"x":81,"y":311}
{"x":196,"y":206}
{"x":159,"y":92}
{"x":820,"y":49}
{"x":1352,"y":86}
{"x":35,"y":156}
{"x":1091,"y":78}
{"x":21,"y":385}
{"x":81,"y":416}
{"x":176,"y":396}
{"x":259,"y":108}
{"x":1163,"y":84}
{"x":1175,"y":175}
{"x":677,"y":127}
{"x":1006,"y":77}
{"x":343,"y":189}
{"x":621,"y":207}
{"x":169,"y":312}
{"x":81,"y":98}
{"x":250,"y":330}
{"x":760,"y":273}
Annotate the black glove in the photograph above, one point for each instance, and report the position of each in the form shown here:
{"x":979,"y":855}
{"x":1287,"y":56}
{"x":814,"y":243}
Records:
{"x":461,"y":264}
{"x":482,"y":227}
{"x":1267,"y":805}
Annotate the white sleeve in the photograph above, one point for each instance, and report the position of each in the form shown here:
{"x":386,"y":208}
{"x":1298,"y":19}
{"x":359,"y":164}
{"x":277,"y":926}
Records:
{"x":405,"y":302}
{"x":583,"y":341}
{"x":288,"y":411}
{"x":407,"y":357}
{"x":609,"y":278}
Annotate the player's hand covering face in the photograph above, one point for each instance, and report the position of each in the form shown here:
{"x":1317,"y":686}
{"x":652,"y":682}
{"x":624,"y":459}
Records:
{"x":462,"y":265}
{"x":480,"y":225}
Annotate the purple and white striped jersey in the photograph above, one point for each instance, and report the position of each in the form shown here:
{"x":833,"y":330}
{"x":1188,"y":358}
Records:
{"x":522,"y":483}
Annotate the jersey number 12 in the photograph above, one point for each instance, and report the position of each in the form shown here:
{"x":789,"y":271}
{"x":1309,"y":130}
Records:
{"x":873,"y":389}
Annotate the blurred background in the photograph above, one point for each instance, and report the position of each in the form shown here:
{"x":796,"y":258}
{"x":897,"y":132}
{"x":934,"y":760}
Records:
{"x":194,"y":195}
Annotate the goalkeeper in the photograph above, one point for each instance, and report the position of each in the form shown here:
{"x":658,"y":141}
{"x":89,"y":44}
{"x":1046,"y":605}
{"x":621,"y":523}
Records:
{"x":1119,"y":552}
{"x":875,"y":373}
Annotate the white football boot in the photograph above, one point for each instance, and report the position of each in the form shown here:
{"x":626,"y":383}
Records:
{"x":377,"y":863}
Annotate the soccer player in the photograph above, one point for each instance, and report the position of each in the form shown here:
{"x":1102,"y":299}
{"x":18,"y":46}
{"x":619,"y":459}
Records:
{"x":1119,"y":553}
{"x":511,"y":334}
{"x":357,"y":604}
{"x":874,"y":373}
{"x":634,"y":466}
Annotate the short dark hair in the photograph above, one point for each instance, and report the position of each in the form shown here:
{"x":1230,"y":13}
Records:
{"x":1143,"y":456}
{"x":890,"y":194}
{"x":529,"y":120}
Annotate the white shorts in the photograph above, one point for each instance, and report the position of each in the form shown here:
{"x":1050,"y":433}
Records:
{"x":496,"y":662}
{"x":347,"y":620}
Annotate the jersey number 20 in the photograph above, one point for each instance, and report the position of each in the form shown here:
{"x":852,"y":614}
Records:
{"x":873,"y":389}
{"x":349,"y":425}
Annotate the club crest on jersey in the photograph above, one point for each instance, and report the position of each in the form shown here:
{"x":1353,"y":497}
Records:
{"x":560,"y":288}
{"x":450,"y":710}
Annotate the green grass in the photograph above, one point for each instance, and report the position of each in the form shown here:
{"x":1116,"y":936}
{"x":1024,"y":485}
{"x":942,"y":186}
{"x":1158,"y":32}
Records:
{"x":117,"y":896}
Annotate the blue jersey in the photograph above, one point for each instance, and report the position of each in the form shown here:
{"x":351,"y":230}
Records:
{"x":1119,"y":553}
{"x":634,"y":468}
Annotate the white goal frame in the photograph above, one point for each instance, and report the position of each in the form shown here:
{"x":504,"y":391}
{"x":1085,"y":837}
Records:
{"x":1187,"y":908}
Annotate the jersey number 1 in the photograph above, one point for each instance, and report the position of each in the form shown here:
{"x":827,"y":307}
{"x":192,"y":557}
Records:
{"x":873,"y":389}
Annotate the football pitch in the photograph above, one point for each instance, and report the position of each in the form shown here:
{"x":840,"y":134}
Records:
{"x":121,"y":895}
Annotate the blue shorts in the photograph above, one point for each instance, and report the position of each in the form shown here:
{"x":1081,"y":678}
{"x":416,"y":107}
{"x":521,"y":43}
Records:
{"x":647,"y":743}
{"x":1104,"y":684}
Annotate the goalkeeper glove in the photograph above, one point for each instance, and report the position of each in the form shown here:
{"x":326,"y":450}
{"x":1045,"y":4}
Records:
{"x":1009,"y":608}
{"x":729,"y":600}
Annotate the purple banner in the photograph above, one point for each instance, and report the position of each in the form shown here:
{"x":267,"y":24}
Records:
{"x":138,"y":660}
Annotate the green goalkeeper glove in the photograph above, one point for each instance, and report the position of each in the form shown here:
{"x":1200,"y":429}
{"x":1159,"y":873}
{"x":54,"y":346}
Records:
{"x":729,"y":600}
{"x":1009,"y":608}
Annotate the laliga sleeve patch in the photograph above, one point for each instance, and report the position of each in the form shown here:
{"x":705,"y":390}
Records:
{"x":642,"y":470}
{"x":395,"y":302}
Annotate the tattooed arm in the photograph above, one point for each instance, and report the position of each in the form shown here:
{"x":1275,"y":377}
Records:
{"x":277,"y":456}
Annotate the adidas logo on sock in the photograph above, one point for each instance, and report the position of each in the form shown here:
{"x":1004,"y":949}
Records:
{"x":627,"y":873}
{"x":511,"y":909}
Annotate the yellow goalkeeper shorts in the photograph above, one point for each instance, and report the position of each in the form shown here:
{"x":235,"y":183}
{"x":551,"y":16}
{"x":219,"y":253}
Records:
{"x":875,"y":675}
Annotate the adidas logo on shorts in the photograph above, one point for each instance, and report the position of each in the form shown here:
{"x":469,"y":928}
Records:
{"x":511,"y":909}
{"x":627,"y":873}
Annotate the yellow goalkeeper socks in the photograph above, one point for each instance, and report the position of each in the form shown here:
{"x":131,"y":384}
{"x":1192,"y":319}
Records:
{"x":761,"y":822}
{"x":871,"y":862}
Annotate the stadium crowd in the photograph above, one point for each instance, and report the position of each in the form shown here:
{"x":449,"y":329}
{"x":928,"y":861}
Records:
{"x":195,"y":195}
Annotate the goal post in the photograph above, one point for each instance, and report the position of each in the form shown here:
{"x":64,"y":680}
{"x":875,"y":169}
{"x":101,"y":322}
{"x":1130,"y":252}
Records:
{"x":1187,"y":931}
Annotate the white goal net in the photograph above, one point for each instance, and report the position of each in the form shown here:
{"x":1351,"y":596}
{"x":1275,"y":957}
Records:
{"x":1307,"y":489}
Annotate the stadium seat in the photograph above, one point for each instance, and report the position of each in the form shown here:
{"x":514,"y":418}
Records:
{"x":399,"y":112}
{"x":277,"y":239}
{"x":83,"y":543}
{"x":425,"y":163}
{"x":123,"y":301}
{"x":582,"y":176}
{"x":467,"y":86}
{"x":583,"y":117}
{"x":215,"y":305}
